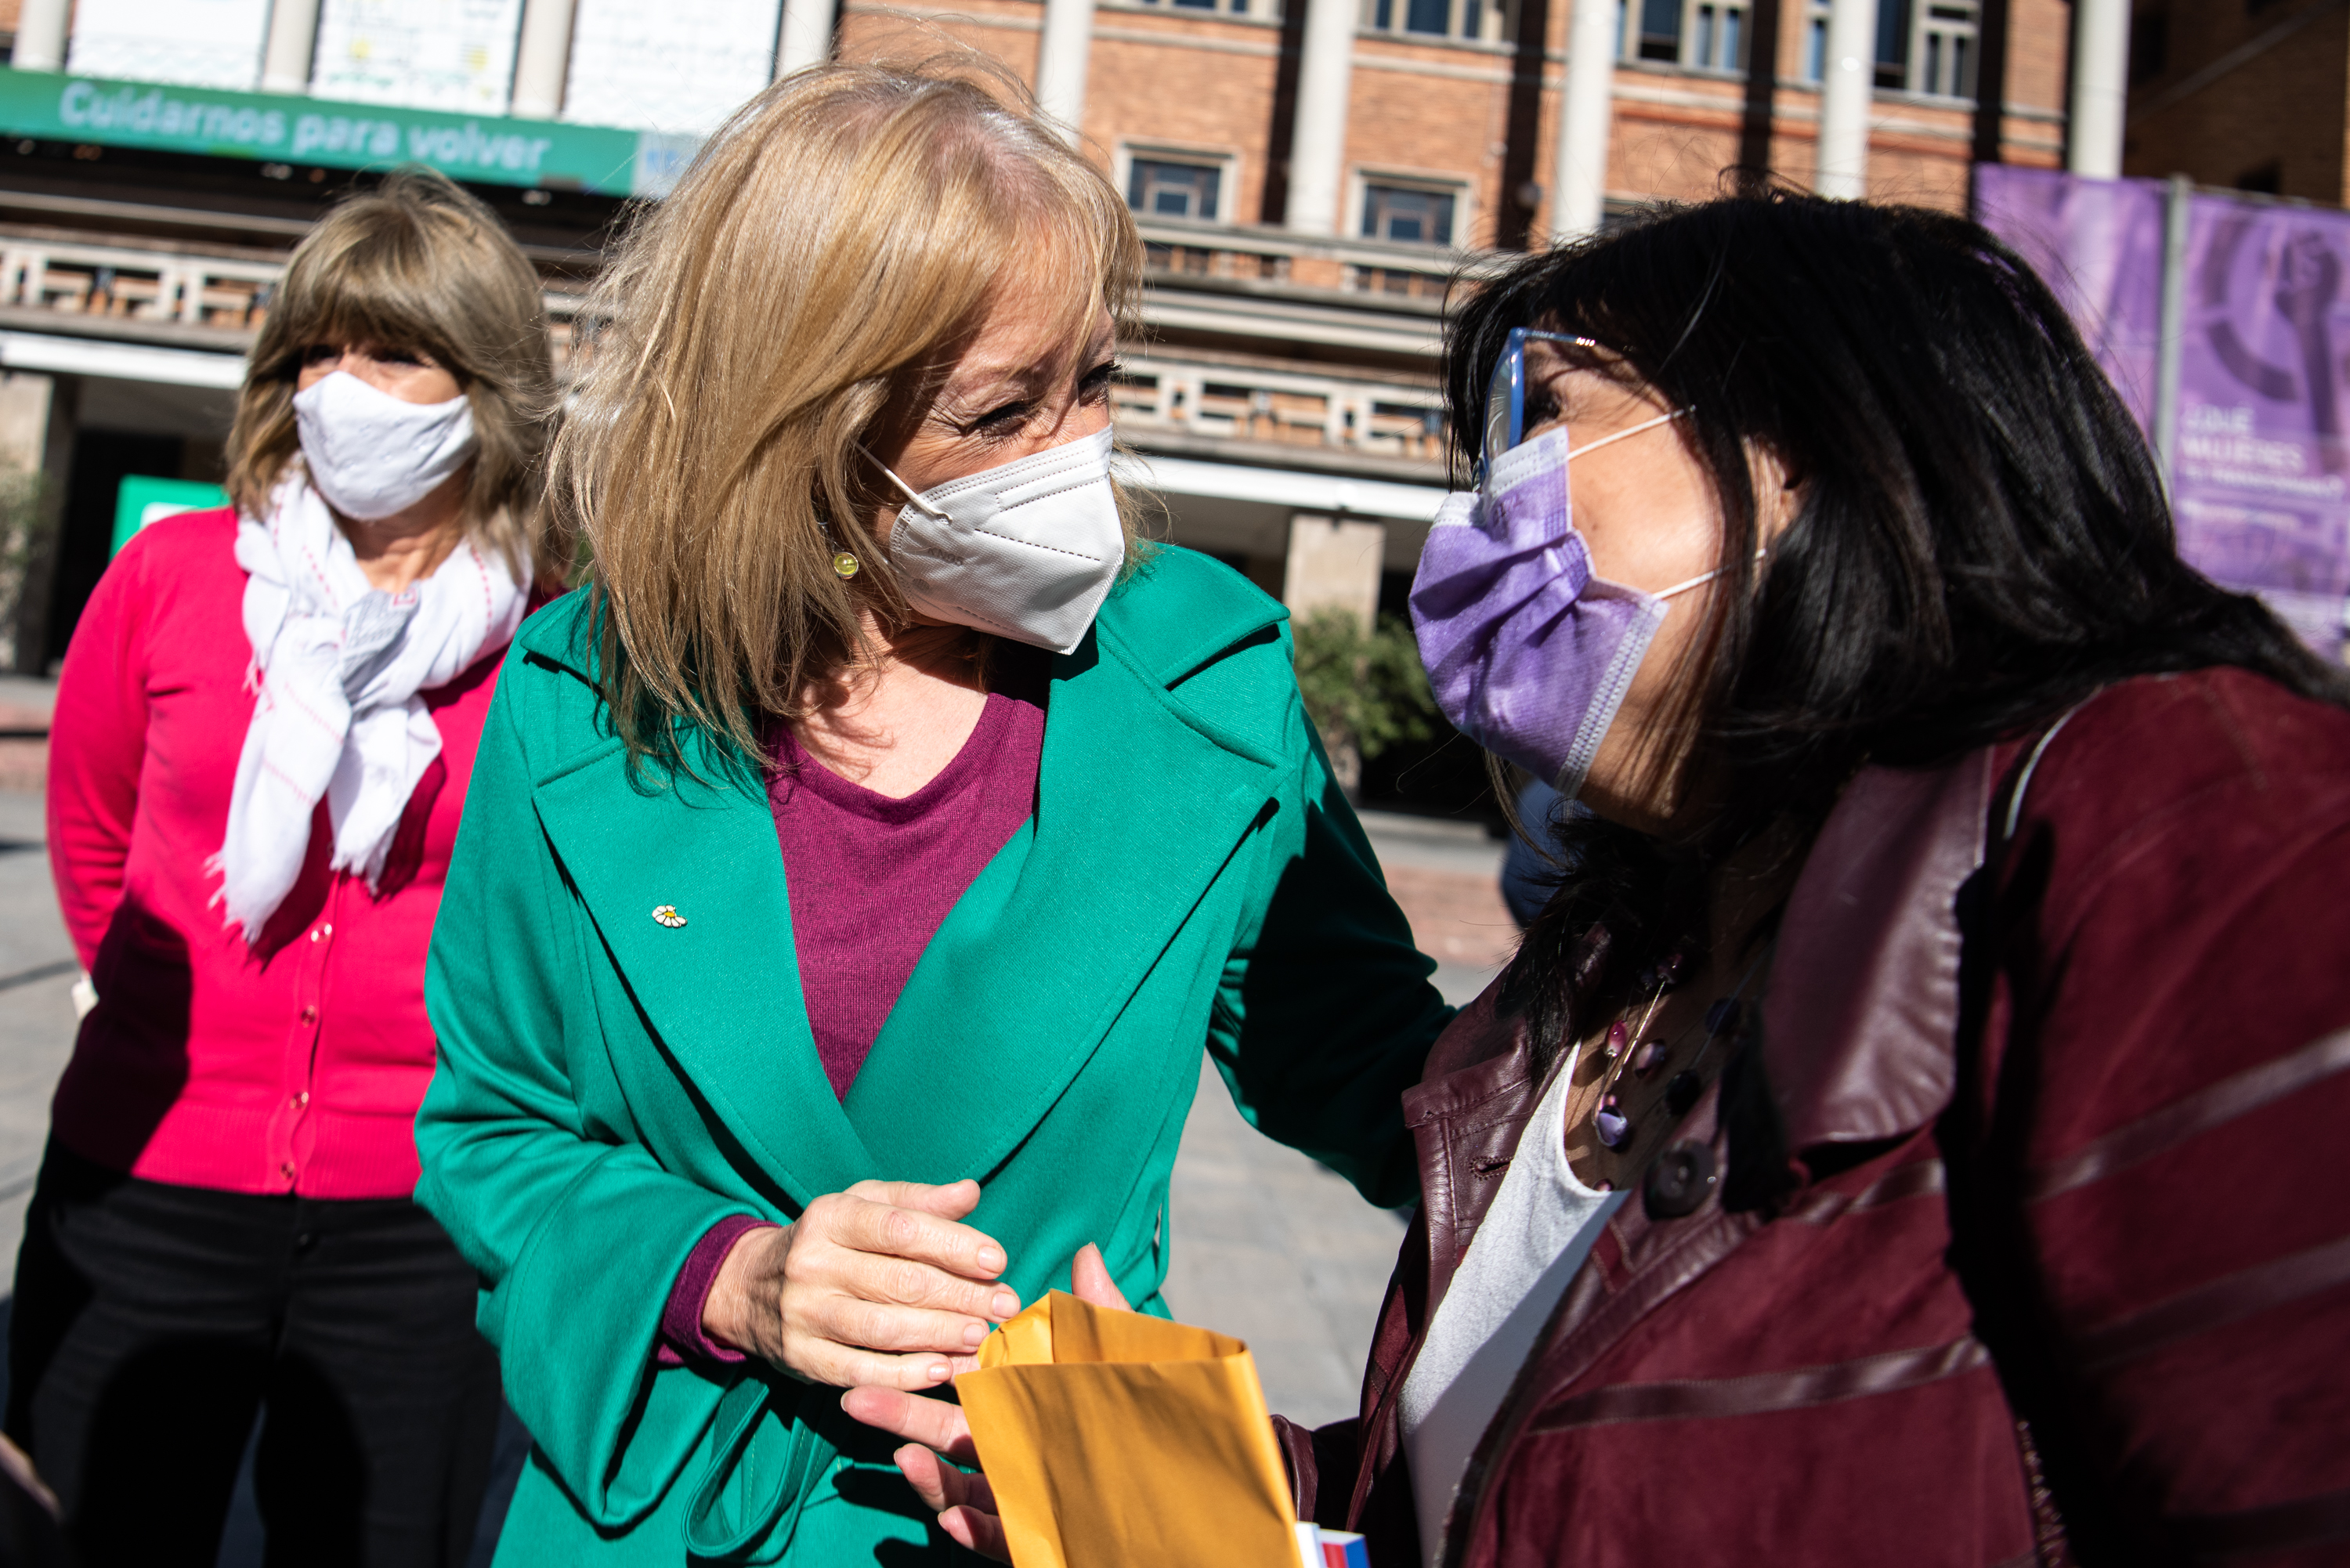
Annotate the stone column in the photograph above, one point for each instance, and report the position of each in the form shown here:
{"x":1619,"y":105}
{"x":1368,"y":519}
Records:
{"x":37,"y":433}
{"x":1318,"y":140}
{"x":1580,"y":176}
{"x":1334,"y":564}
{"x":542,"y":59}
{"x":41,"y":35}
{"x":286,"y":58}
{"x":1062,"y":59}
{"x":806,"y":39}
{"x":2100,"y":87}
{"x":1849,"y":82}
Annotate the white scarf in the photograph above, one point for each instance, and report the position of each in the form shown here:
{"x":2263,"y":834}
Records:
{"x":336,"y":667}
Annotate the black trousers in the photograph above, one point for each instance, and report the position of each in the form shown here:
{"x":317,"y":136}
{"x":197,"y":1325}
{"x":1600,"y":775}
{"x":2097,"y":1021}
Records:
{"x":153,"y":1322}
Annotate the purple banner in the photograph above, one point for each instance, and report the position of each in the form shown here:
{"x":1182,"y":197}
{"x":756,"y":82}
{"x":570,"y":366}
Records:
{"x":2098,"y":244}
{"x":2257,"y":479}
{"x":2260,"y":479}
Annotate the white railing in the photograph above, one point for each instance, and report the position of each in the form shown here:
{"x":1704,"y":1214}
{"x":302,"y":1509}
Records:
{"x":1158,"y":391}
{"x":1394,"y":420}
{"x":161,"y":287}
{"x":135,"y":285}
{"x":1253,"y":254}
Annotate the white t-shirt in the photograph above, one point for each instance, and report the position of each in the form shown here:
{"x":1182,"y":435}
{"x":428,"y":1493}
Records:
{"x":1542,"y":1226}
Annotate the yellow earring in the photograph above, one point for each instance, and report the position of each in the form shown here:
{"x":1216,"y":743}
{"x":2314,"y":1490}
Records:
{"x":844,"y":564}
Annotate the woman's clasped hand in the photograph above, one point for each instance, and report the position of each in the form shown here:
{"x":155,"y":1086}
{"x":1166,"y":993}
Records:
{"x":877,"y":1286}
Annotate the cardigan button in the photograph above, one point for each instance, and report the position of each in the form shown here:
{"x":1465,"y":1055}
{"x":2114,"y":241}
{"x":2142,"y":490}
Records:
{"x":1680,"y":1183}
{"x":286,"y":1171}
{"x":310,"y":1015}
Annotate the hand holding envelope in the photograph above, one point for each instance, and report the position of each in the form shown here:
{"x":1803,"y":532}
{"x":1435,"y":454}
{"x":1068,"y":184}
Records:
{"x":1106,"y":1438}
{"x":936,"y":1432}
{"x":1112,"y":1437}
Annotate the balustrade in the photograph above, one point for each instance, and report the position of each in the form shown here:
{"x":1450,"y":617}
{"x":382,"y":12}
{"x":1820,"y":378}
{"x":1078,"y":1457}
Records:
{"x":130,"y":288}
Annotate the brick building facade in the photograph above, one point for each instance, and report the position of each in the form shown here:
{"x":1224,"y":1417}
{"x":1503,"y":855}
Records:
{"x":2251,"y":94}
{"x":1311,"y":176}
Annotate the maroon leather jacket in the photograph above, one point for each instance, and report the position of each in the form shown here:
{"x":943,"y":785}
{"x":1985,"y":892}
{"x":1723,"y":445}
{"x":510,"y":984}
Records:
{"x":2021,"y":1234}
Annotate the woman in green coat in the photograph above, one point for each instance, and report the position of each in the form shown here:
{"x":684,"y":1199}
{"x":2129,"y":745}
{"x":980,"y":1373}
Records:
{"x":853,"y":873}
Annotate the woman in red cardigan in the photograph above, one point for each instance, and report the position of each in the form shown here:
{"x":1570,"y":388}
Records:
{"x":1911,"y":1132}
{"x":263,"y":730}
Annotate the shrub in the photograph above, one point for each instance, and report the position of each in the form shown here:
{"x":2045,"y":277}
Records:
{"x":1363,"y":690}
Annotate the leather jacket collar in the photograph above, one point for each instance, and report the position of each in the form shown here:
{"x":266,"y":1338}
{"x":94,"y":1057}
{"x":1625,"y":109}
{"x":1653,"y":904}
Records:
{"x":1860,"y":1010}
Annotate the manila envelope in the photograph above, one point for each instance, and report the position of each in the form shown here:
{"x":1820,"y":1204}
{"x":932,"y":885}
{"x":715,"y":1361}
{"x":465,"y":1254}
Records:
{"x":1116,"y":1440}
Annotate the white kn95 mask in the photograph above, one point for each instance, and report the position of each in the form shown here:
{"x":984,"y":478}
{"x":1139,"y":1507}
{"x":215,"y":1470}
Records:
{"x":371,"y":454}
{"x":1027,"y":549}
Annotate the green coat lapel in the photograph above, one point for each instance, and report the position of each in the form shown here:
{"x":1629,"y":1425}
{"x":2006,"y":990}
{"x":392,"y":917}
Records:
{"x":721,"y":992}
{"x":1048,"y":946}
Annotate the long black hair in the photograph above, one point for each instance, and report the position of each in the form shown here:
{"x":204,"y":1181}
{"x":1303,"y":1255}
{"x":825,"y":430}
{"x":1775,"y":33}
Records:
{"x":1983,"y":539}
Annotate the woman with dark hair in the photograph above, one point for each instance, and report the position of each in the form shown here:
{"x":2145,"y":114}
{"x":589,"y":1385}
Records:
{"x":1908,"y":1134}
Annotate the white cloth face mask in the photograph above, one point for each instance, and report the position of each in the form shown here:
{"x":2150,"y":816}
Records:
{"x":371,"y":454}
{"x":1028,"y":549}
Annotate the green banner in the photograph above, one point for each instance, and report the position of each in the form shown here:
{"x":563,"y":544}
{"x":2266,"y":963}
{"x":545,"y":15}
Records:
{"x":274,"y":128}
{"x":144,"y":499}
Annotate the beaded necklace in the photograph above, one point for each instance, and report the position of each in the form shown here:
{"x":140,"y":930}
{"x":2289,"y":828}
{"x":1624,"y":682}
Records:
{"x":1645,"y":1054}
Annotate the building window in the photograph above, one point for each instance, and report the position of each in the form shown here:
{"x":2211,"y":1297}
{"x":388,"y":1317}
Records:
{"x":1815,"y":44}
{"x":1925,"y":45}
{"x":2268,"y":180}
{"x":1158,"y":188}
{"x":1705,"y":34}
{"x":1408,"y":214}
{"x":1716,"y":36}
{"x":1486,"y":20}
{"x":1942,"y":56}
{"x":1893,"y":43}
{"x":1659,"y":33}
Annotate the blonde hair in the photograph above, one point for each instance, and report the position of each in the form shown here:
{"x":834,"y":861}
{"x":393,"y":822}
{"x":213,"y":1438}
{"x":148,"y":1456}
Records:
{"x":416,"y":263}
{"x":808,"y":279}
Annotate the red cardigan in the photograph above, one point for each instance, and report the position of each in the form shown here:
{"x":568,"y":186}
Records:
{"x":295,"y":1066}
{"x":2042,"y":1120}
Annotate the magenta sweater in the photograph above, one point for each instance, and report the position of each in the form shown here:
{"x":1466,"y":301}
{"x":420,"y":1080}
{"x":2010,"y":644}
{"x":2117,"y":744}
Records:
{"x":871,"y":879}
{"x":295,"y":1066}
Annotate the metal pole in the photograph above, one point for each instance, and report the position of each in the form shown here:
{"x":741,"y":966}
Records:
{"x":1318,"y":146}
{"x":805,"y":38}
{"x":2178,"y":209}
{"x":41,"y":35}
{"x":2100,"y":88}
{"x":1581,"y":177}
{"x":1064,"y":56}
{"x":1848,"y":85}
{"x":285,"y":57}
{"x":542,"y":59}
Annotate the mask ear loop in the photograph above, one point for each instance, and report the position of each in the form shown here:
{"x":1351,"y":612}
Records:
{"x":1614,"y":436}
{"x":844,"y":564}
{"x":1761,"y":551}
{"x":904,"y":489}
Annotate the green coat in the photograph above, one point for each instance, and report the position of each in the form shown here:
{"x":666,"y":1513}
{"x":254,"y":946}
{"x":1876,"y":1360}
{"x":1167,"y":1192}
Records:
{"x":609,"y":1087}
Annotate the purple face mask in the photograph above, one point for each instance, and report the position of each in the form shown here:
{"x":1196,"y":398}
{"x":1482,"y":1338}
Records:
{"x":1530,"y":653}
